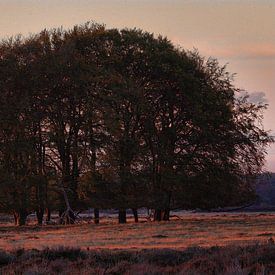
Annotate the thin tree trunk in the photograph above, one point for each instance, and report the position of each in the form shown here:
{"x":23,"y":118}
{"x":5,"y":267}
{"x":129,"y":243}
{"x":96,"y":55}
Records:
{"x":96,"y":216}
{"x":122,"y":216}
{"x":68,"y":217}
{"x":16,"y":218}
{"x":166,"y":212}
{"x":60,"y":212}
{"x":93,"y":167}
{"x":39,"y":215}
{"x":48,"y":214}
{"x":166,"y":216}
{"x":135,"y":213}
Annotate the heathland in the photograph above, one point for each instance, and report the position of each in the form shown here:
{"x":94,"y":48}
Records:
{"x":96,"y":118}
{"x":191,"y":243}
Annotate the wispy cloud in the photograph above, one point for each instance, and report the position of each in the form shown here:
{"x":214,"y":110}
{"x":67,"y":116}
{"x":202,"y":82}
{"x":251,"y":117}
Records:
{"x":219,"y":49}
{"x":246,"y":51}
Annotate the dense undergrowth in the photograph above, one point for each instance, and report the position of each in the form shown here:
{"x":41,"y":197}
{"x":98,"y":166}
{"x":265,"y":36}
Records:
{"x":253,"y":259}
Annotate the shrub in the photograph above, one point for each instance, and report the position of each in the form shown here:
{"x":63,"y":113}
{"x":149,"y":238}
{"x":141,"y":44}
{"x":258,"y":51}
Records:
{"x":69,"y":253}
{"x":5,"y":258}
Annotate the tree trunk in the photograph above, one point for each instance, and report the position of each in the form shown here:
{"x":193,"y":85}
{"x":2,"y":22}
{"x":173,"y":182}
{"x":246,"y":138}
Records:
{"x":96,"y":216}
{"x":161,"y":215}
{"x":122,"y":216}
{"x":135,"y":213}
{"x":157,"y":215}
{"x":39,"y":215}
{"x":16,"y":218}
{"x":21,"y":217}
{"x":166,"y":216}
{"x":48,"y":214}
{"x":60,"y":212}
{"x":68,"y":216}
{"x":70,"y":219}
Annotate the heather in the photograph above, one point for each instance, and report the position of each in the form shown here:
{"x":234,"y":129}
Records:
{"x":252,"y":259}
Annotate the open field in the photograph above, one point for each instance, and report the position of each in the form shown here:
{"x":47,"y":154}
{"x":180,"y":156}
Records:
{"x":193,"y":243}
{"x":194,"y":229}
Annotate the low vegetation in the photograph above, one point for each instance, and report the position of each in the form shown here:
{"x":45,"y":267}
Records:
{"x":253,"y":259}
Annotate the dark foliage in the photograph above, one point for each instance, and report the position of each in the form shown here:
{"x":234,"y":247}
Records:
{"x":120,"y":119}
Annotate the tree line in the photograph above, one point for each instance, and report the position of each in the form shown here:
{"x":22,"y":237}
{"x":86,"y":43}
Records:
{"x":107,"y":118}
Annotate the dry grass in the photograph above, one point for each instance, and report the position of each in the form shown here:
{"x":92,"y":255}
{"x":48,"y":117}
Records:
{"x":204,"y":230}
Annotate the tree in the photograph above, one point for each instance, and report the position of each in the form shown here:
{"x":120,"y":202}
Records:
{"x":122,"y":119}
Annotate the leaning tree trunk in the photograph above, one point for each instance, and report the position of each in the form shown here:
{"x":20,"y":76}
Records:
{"x":96,"y":215}
{"x":122,"y":216}
{"x":68,"y":216}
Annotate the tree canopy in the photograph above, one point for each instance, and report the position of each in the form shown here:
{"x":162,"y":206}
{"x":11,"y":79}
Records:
{"x":109,"y":118}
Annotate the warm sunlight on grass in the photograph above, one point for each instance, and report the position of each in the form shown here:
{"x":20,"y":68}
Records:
{"x":192,"y":230}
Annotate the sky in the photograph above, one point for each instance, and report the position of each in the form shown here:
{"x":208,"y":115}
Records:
{"x":240,"y":33}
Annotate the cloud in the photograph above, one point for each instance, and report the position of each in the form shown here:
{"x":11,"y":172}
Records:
{"x":255,"y":97}
{"x":258,"y":97}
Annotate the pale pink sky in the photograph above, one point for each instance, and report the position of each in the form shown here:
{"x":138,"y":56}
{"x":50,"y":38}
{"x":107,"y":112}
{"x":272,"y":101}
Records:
{"x":241,"y":33}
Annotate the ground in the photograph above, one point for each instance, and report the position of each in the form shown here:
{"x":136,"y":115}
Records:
{"x":191,"y":243}
{"x":187,"y":230}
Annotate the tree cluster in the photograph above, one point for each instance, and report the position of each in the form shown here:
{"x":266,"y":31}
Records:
{"x":107,"y":118}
